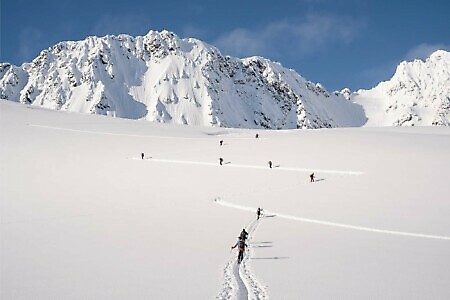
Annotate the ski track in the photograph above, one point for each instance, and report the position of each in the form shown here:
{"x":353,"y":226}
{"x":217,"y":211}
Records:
{"x":333,"y":224}
{"x":144,"y":136}
{"x":242,"y":292}
{"x":239,"y":281}
{"x":113,"y":134}
{"x":230,"y":165}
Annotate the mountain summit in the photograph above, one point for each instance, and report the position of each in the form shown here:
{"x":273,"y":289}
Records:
{"x":161,"y":77}
{"x":417,"y":94}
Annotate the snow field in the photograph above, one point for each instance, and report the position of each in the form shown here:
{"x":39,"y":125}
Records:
{"x":82,"y":216}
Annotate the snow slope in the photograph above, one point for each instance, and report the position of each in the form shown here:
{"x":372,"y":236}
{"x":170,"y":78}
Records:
{"x":160,"y":77}
{"x":417,"y":94}
{"x":83,"y":217}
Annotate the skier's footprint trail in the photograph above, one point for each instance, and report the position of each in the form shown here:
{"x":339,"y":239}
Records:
{"x":242,"y":292}
{"x":240,"y":283}
{"x":255,"y":289}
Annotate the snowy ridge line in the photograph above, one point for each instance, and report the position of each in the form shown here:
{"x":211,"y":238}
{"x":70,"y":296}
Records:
{"x":333,"y":224}
{"x":230,"y":165}
{"x":110,"y":133}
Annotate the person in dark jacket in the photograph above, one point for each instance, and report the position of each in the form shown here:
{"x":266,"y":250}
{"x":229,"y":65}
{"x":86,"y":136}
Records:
{"x":221,"y":161}
{"x":142,"y":155}
{"x":311,"y":177}
{"x":243,"y":234}
{"x":258,"y":213}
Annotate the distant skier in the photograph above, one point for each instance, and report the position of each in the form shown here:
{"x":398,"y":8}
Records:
{"x":142,"y":155}
{"x":221,"y":142}
{"x":221,"y":161}
{"x":270,"y":164}
{"x":257,"y":136}
{"x":311,"y":177}
{"x":258,"y":213}
{"x":243,"y":234}
{"x":241,"y":247}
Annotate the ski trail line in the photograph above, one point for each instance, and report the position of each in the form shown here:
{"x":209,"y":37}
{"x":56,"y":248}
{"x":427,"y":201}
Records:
{"x":207,"y":135}
{"x":255,"y":290}
{"x":333,"y":224}
{"x":113,"y":134}
{"x":239,"y":281}
{"x":242,"y":292}
{"x":229,"y":165}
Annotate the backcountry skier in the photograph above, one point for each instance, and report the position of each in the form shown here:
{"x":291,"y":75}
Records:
{"x":243,"y":234}
{"x":311,"y":177}
{"x":241,"y":247}
{"x":258,"y":213}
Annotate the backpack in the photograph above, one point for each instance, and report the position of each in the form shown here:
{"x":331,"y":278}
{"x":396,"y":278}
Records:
{"x":241,"y":245}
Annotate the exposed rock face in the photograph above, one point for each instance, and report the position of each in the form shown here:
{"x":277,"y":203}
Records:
{"x":160,"y":77}
{"x":417,"y":94}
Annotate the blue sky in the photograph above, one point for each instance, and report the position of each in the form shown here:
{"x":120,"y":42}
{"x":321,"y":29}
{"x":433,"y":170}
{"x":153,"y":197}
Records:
{"x":340,"y":43}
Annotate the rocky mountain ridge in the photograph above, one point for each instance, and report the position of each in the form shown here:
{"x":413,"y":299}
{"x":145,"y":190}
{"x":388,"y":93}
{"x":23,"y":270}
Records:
{"x":161,"y":77}
{"x":417,"y":94}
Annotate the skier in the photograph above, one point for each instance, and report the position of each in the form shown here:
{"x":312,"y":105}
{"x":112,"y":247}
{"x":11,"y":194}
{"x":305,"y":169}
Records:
{"x":221,"y":142}
{"x":311,"y":177}
{"x":142,"y":155}
{"x":258,"y":213}
{"x":243,"y":234}
{"x":257,"y":136}
{"x":241,"y":247}
{"x":270,"y":164}
{"x":221,"y":161}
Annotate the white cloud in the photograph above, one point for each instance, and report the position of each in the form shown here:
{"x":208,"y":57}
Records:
{"x":242,"y":42}
{"x":300,"y":36}
{"x":424,"y":51}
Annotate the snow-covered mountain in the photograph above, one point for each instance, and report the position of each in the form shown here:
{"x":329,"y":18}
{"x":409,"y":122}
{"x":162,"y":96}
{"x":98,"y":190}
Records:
{"x":160,"y":77}
{"x":417,"y":94}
